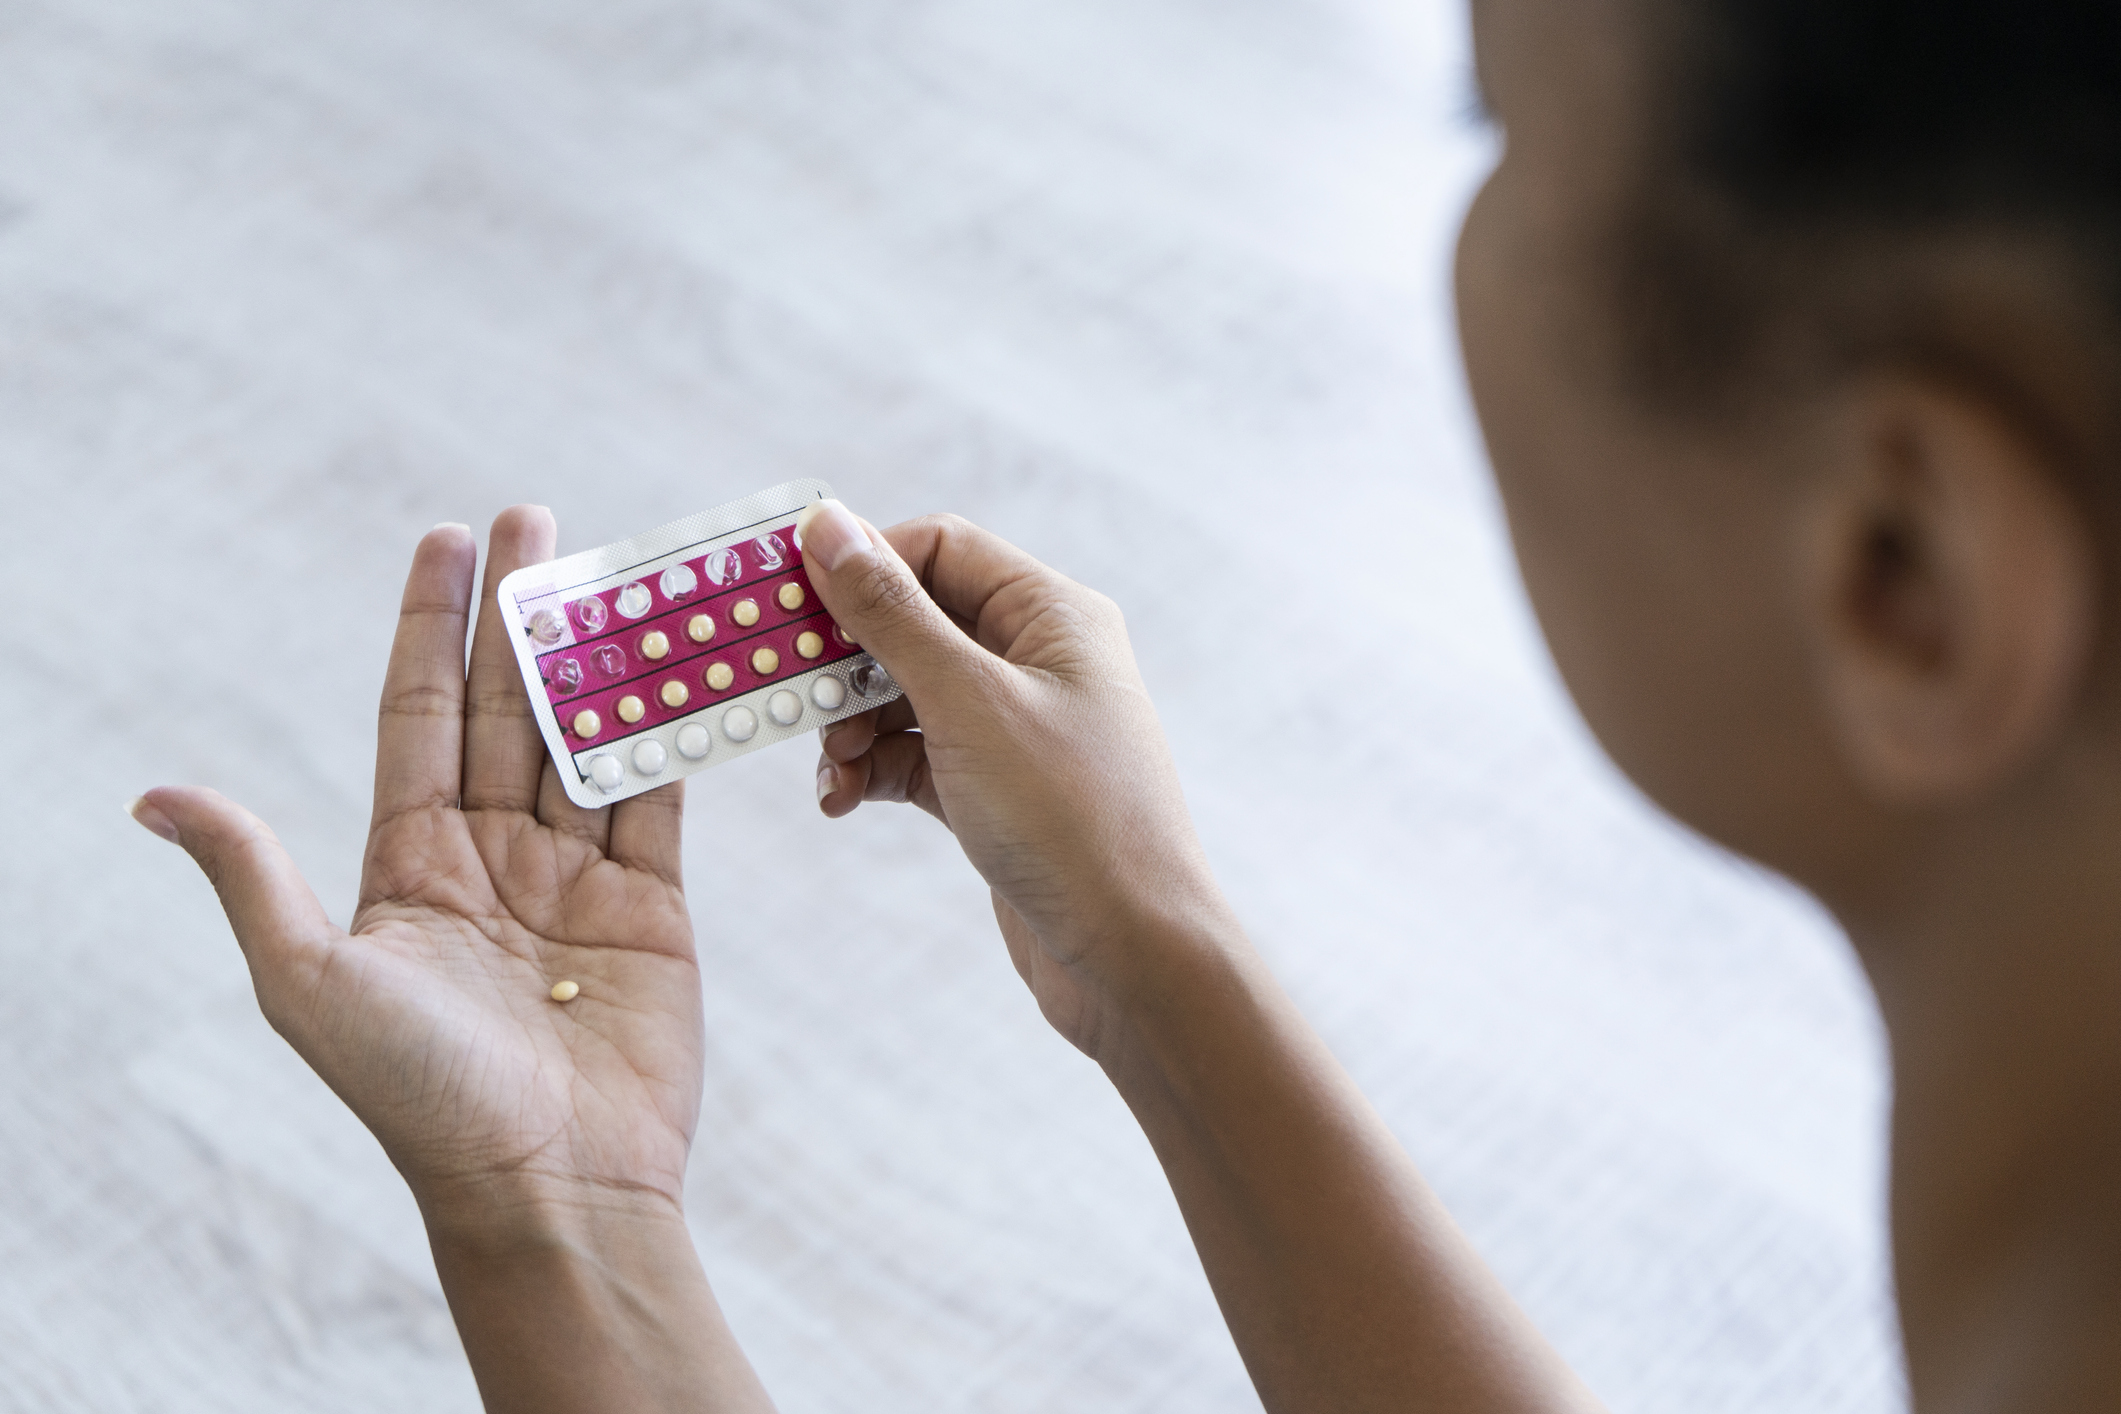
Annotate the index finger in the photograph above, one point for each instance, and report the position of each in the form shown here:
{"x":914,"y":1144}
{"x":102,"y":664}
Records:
{"x":992,"y":588}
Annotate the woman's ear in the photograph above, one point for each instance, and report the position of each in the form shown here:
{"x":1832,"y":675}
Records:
{"x":1951,"y":590}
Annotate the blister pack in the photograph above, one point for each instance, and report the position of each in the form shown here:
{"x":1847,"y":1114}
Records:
{"x":654,"y":658}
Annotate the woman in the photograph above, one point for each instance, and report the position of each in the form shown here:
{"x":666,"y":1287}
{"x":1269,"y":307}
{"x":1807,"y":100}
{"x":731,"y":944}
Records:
{"x":1792,"y":328}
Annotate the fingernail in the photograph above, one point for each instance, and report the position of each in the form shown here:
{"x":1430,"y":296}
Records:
{"x":152,"y":818}
{"x":828,"y":781}
{"x":451,"y":525}
{"x":830,"y":534}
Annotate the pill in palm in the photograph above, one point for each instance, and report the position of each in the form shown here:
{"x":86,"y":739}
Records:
{"x":566,"y":991}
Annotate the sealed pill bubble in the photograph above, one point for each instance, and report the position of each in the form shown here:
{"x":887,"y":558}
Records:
{"x":623,"y":712}
{"x":724,"y":567}
{"x":547,"y":628}
{"x":840,"y":635}
{"x":566,"y":991}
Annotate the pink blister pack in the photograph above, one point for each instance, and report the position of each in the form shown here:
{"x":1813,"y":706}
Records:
{"x":654,"y":658}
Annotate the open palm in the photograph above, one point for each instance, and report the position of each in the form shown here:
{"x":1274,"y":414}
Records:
{"x":482,"y":887}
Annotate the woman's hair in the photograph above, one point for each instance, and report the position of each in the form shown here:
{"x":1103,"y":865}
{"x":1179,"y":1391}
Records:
{"x":1808,"y":156}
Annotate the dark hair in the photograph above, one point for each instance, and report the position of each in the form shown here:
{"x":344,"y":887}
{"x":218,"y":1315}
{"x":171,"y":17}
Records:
{"x":1807,"y":148}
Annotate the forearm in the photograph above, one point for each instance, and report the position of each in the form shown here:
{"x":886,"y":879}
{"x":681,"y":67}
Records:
{"x":1344,"y":1282}
{"x":586,"y":1307}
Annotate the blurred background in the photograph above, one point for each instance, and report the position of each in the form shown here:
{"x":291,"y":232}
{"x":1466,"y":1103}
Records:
{"x":1157,"y":288}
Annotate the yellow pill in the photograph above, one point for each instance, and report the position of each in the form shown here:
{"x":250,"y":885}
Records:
{"x":765,"y":662}
{"x":699,"y":628}
{"x":587,"y":724}
{"x":791,"y":597}
{"x":631,"y":709}
{"x":746,"y":613}
{"x":674,"y":694}
{"x":655,"y":645}
{"x":565,"y":991}
{"x":720,"y":675}
{"x":809,"y":645}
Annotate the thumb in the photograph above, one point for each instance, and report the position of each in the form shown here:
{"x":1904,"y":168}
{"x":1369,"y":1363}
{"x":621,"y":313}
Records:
{"x":874,"y":595}
{"x":269,"y":904}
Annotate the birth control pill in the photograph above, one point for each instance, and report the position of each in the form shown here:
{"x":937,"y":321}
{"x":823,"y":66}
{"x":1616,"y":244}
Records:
{"x":740,"y":724}
{"x":746,"y":613}
{"x":589,"y":613}
{"x":547,"y":627}
{"x":699,"y":628}
{"x":635,"y":600}
{"x":693,"y":741}
{"x":791,"y":596}
{"x":674,"y":694}
{"x":719,"y":676}
{"x":631,"y":709}
{"x":678,"y":581}
{"x":809,"y":645}
{"x":765,"y":662}
{"x":655,"y":644}
{"x":566,"y":991}
{"x":828,"y":692}
{"x":785,"y":708}
{"x":607,"y":773}
{"x":587,"y":724}
{"x":649,"y":758}
{"x":841,"y":635}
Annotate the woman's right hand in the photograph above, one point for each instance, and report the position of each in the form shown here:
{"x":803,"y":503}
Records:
{"x":1026,"y":729}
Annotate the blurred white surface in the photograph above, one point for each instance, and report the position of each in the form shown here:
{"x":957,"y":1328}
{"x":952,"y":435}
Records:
{"x":1158,"y":288}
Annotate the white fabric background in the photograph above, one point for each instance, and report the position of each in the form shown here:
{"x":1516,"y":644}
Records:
{"x":1158,"y":288}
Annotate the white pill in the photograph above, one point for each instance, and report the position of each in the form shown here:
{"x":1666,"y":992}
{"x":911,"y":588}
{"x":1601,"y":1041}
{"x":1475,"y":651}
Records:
{"x":785,"y":708}
{"x":607,"y":773}
{"x":828,"y":692}
{"x":740,"y":724}
{"x":635,"y":600}
{"x":649,"y":758}
{"x":693,"y":741}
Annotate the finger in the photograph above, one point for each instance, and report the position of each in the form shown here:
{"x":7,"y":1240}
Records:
{"x":556,"y":811}
{"x":503,"y":752}
{"x":981,"y":580}
{"x":845,"y":740}
{"x":894,"y":769}
{"x":275,"y":915}
{"x":420,"y":726}
{"x":647,"y":833}
{"x":879,"y":601}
